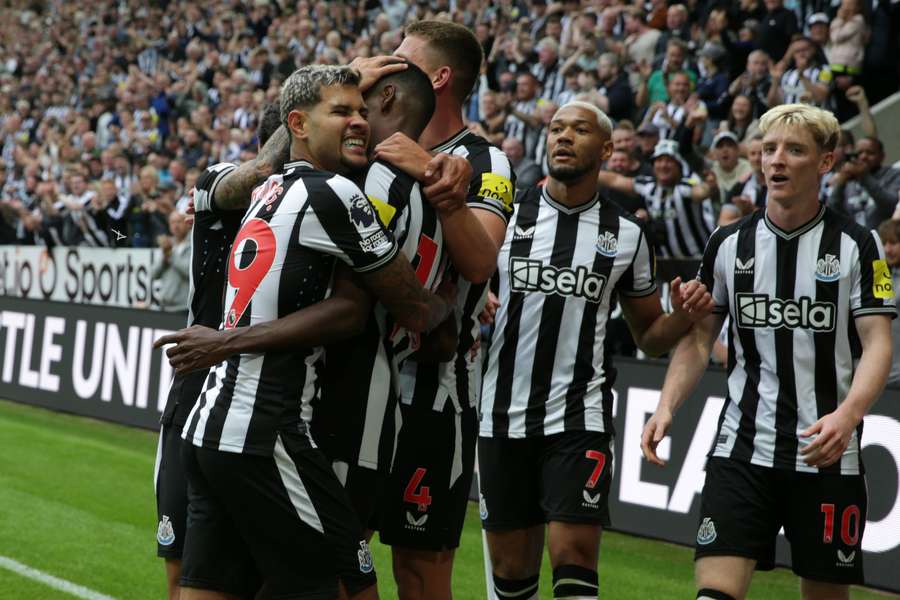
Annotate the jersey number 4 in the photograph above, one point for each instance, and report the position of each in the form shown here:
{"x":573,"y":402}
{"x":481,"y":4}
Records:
{"x":257,"y":240}
{"x":421,"y":498}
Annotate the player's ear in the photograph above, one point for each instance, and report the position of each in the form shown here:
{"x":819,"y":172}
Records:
{"x":441,"y":78}
{"x":298,"y":123}
{"x":388,"y":95}
{"x":826,"y":162}
{"x":607,"y":150}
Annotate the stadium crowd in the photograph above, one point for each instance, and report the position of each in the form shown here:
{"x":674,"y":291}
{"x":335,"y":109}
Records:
{"x":110,"y":114}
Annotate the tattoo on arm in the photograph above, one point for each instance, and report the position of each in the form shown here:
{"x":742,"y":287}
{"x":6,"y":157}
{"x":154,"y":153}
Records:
{"x":233,"y":191}
{"x":411,"y":305}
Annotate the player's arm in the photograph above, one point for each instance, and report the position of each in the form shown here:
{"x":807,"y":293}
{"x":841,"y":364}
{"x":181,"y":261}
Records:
{"x":473,"y":237}
{"x":438,"y":345}
{"x":614,"y":181}
{"x":686,"y":366}
{"x":233,"y":191}
{"x":340,"y":316}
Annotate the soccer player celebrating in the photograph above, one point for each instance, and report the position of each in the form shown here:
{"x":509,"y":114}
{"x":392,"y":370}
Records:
{"x":545,"y":446}
{"x":809,"y":298}
{"x":263,"y":498}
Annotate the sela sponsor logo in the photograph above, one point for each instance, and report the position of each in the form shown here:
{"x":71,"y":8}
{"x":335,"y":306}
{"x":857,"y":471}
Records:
{"x":589,"y":500}
{"x":706,"y":534}
{"x":523,"y":233}
{"x":608,"y":245}
{"x":374,"y":242}
{"x":761,"y":311}
{"x":845,"y":560}
{"x":165,"y":534}
{"x":527,"y":275}
{"x":744,"y":268}
{"x":882,"y":284}
{"x":414,"y":524}
{"x":364,"y":556}
{"x":361,"y":213}
{"x":828,"y":268}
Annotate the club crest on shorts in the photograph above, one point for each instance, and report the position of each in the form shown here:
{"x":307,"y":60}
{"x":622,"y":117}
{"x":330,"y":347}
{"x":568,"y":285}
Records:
{"x":364,"y":555}
{"x":482,"y":507}
{"x":608,"y":245}
{"x":707,"y":532}
{"x":165,"y":534}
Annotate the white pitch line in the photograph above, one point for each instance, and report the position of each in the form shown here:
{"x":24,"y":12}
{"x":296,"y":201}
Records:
{"x":51,"y":581}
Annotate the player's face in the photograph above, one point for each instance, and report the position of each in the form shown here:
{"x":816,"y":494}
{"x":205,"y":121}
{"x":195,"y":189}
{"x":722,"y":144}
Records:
{"x":792,"y":164}
{"x":339,"y":131}
{"x":575,"y":144}
{"x":667,"y":170}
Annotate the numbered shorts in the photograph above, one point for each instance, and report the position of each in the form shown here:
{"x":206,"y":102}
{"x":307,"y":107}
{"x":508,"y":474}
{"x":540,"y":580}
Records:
{"x":283,"y":520}
{"x":561,"y":477}
{"x":743,"y":507}
{"x":424,"y":502}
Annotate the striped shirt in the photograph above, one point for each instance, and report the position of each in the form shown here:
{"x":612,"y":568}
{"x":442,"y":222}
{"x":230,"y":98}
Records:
{"x":666,"y":130}
{"x":551,"y":79}
{"x":793,"y":89}
{"x":791,"y":298}
{"x":299,"y":223}
{"x":491,"y":188}
{"x":211,"y":237}
{"x":559,"y":268}
{"x":517,"y":128}
{"x":681,"y":224}
{"x":356,"y":420}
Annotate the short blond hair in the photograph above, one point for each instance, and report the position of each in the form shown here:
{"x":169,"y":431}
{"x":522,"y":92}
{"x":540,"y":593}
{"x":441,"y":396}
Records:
{"x":823,"y":126}
{"x":602,"y":120}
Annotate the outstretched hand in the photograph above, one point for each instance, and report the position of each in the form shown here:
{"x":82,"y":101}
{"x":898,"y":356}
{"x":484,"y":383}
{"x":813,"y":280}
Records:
{"x":195,"y":348}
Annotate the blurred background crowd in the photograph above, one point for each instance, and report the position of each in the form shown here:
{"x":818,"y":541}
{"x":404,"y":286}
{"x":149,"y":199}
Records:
{"x":110,"y":110}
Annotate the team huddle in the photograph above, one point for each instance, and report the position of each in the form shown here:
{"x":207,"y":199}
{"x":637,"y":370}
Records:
{"x":332,"y":381}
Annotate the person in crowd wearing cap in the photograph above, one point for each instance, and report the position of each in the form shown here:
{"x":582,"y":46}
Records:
{"x":817,"y":26}
{"x":864,"y":189}
{"x":729,"y":168}
{"x":647,"y":138}
{"x":679,"y":205}
{"x":800,"y":75}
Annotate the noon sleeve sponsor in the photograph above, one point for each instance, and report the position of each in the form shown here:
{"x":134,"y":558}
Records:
{"x":873,"y":289}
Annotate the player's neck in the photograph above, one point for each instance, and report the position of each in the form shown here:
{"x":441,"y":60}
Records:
{"x":446,"y":121}
{"x":788,"y":215}
{"x":573,"y":193}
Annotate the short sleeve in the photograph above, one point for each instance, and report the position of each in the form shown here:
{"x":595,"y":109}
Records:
{"x":493,"y":183}
{"x":207,"y":183}
{"x":640,"y":277}
{"x":712,"y":272}
{"x":343,"y":223}
{"x":644,"y":186}
{"x":872,"y":290}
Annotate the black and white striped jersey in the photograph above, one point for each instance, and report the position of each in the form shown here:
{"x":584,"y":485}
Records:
{"x":492,"y":188}
{"x":282,"y":260}
{"x":793,"y":89}
{"x":791,"y":298}
{"x":681,"y":225}
{"x":551,"y":79}
{"x":559,"y":269}
{"x":356,"y":419}
{"x":517,"y":128}
{"x":667,"y":130}
{"x":211,"y":237}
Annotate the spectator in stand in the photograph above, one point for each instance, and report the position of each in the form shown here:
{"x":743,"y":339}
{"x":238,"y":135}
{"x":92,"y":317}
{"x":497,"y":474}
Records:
{"x":147,"y":214}
{"x":819,"y":32}
{"x":640,"y":45}
{"x":647,"y":138}
{"x":776,"y":29}
{"x":629,"y":165}
{"x":889,"y":232}
{"x":493,"y":119}
{"x":677,"y":27}
{"x":864,"y":189}
{"x":528,"y":172}
{"x":755,"y":82}
{"x":712,"y":88}
{"x":729,"y":168}
{"x":672,"y":118}
{"x":655,"y":86}
{"x":616,"y":98}
{"x":845,"y":51}
{"x":752,"y":194}
{"x":173,"y":272}
{"x":522,"y":120}
{"x":741,"y":121}
{"x":800,"y":76}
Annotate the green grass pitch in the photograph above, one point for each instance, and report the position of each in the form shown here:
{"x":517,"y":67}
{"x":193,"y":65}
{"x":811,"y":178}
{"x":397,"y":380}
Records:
{"x":76,"y":501}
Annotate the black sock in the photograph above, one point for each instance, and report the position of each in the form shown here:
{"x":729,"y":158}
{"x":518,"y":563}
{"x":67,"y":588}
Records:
{"x":572,"y":581}
{"x":711,"y":594}
{"x":516,"y":589}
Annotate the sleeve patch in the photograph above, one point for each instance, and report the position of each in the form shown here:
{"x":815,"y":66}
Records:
{"x":497,"y":187}
{"x":361,"y":213}
{"x":882,"y":285}
{"x":384,"y":210}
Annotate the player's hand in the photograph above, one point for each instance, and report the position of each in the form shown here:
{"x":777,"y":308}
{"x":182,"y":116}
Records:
{"x":373,"y":68}
{"x":691,"y":299}
{"x":833,"y":433}
{"x":447,"y":182}
{"x":654,"y":431}
{"x":196,"y":347}
{"x":857,"y":95}
{"x":405,"y":154}
{"x":490,"y":309}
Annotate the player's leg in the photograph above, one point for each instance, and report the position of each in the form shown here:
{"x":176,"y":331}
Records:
{"x":171,"y":505}
{"x":576,"y":472}
{"x":825,"y":516}
{"x":739,"y":523}
{"x":364,"y":489}
{"x":424,"y":507}
{"x":511,"y":515}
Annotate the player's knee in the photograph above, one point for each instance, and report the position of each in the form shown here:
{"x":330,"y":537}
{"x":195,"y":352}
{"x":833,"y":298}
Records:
{"x":711,"y":594}
{"x":574,"y":582}
{"x":525,"y":588}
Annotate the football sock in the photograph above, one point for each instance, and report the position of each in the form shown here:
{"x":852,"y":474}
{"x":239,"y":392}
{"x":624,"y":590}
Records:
{"x":571,"y":582}
{"x":516,"y":589}
{"x":710,"y":594}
